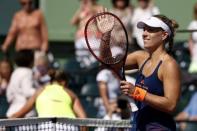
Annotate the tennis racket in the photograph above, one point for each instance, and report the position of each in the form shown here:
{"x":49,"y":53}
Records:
{"x":107,"y":40}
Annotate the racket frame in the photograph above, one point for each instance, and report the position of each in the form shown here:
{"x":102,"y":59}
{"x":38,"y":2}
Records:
{"x":122,"y":77}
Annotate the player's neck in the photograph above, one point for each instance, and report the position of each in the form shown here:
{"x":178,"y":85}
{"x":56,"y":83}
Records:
{"x":157,"y":54}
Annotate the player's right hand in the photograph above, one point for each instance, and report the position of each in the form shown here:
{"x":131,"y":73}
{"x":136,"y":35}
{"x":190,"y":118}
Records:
{"x":127,"y":88}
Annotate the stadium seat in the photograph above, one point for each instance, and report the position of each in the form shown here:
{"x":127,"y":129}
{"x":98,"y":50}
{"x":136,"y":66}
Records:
{"x":76,"y":79}
{"x":72,"y":65}
{"x":90,"y":89}
{"x":89,"y":93}
{"x":191,"y":127}
{"x":182,"y":55}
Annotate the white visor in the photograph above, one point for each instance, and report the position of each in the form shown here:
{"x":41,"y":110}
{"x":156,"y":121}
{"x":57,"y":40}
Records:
{"x":154,"y":22}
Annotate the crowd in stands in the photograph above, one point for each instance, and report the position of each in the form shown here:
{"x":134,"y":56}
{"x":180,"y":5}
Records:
{"x":30,"y":85}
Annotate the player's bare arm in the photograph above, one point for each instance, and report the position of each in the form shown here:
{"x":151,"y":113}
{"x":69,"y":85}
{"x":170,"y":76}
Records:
{"x":170,"y":75}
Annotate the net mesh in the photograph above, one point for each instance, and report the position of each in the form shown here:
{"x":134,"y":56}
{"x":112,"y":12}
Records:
{"x":106,"y":38}
{"x":63,"y":124}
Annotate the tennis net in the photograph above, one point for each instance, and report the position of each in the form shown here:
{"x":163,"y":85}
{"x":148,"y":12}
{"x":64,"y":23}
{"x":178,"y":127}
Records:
{"x":63,"y":124}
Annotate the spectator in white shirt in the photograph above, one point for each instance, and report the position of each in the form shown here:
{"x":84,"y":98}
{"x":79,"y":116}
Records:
{"x":192,"y":41}
{"x":109,"y":88}
{"x":144,"y":10}
{"x":124,"y":10}
{"x":20,"y":87}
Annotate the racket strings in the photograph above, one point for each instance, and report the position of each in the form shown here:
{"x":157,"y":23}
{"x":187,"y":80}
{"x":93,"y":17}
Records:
{"x":114,"y":50}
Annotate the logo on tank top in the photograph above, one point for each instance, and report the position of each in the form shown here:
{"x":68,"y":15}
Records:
{"x":142,"y":82}
{"x":141,"y":85}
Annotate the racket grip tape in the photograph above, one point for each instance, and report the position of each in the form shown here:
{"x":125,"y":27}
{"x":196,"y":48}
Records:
{"x":139,"y":94}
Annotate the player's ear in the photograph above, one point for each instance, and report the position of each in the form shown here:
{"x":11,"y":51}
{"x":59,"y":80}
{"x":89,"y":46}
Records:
{"x":164,"y":36}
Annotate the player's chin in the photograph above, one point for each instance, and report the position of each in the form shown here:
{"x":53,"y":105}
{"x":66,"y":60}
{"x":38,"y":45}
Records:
{"x":146,"y":42}
{"x":147,"y":46}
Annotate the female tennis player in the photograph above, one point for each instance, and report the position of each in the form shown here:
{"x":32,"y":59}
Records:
{"x":54,"y":100}
{"x":157,"y":87}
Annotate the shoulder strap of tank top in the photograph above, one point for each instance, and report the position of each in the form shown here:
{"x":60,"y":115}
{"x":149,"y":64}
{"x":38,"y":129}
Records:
{"x":141,"y":68}
{"x":157,"y":67}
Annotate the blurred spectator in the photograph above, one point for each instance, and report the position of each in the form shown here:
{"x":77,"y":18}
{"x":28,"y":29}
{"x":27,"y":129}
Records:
{"x":144,"y":10}
{"x":121,"y":110}
{"x":124,"y":10}
{"x":193,"y":42}
{"x":29,"y":29}
{"x":109,"y":88}
{"x":20,"y":87}
{"x":188,"y":114}
{"x":40,"y":72}
{"x":6,"y":69}
{"x":87,"y":9}
{"x":54,"y":100}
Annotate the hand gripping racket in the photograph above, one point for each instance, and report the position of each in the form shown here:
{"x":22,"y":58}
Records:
{"x":107,"y":40}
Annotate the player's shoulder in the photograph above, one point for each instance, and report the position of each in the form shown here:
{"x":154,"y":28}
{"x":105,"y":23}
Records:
{"x":170,"y":64}
{"x":140,"y":54}
{"x":70,"y":93}
{"x":137,"y":58}
{"x":169,"y":61}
